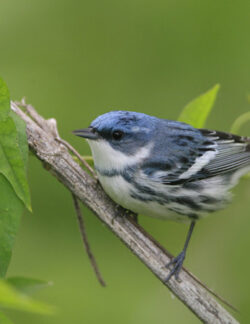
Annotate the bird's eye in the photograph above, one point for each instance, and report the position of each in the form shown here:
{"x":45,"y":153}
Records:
{"x":117,"y":135}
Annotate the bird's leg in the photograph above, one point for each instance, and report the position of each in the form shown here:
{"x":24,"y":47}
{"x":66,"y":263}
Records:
{"x":125,"y":213}
{"x":134,"y":217}
{"x":178,"y":261}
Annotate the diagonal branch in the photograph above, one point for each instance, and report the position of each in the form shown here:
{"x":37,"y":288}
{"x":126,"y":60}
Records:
{"x":42,"y":141}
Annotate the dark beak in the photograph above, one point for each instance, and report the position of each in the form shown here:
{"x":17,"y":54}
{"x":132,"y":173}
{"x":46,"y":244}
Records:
{"x":87,"y":133}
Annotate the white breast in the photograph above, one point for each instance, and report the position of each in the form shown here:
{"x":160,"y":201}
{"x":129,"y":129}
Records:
{"x":118,"y":189}
{"x":106,"y":159}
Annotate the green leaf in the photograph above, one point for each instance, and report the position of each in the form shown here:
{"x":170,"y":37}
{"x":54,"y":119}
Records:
{"x":89,"y":159}
{"x":13,"y":150}
{"x":21,"y":136}
{"x":239,"y":122}
{"x":27,"y":285}
{"x":11,"y":298}
{"x":196,"y":112}
{"x":4,"y":319}
{"x":13,"y":184}
{"x":4,"y":100}
{"x":11,"y":209}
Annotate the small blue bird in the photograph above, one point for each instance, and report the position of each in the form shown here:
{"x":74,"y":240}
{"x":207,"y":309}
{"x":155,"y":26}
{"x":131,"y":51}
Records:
{"x":164,"y":168}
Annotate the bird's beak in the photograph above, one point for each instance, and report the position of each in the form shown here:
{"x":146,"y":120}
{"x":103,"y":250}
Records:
{"x":87,"y":133}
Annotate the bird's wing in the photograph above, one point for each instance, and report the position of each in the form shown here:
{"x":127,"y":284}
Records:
{"x":217,"y":153}
{"x":232,"y":152}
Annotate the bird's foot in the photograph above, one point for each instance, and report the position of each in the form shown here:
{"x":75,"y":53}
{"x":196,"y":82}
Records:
{"x":132,"y":215}
{"x":177,"y":263}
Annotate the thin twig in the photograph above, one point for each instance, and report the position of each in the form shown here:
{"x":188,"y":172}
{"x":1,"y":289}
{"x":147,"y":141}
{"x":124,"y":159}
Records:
{"x":74,"y":151}
{"x":52,"y":128}
{"x":85,"y":241}
{"x":215,"y":294}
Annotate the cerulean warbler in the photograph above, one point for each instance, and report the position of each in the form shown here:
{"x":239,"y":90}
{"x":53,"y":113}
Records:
{"x":164,"y":168}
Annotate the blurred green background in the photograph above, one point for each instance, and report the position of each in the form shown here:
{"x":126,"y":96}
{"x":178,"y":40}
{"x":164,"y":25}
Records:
{"x":74,"y":60}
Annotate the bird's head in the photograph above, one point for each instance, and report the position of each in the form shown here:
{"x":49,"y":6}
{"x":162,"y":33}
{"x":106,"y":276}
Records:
{"x":118,"y":136}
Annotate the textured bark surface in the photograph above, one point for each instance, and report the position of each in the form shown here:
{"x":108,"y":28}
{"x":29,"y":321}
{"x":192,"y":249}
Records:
{"x":42,"y":141}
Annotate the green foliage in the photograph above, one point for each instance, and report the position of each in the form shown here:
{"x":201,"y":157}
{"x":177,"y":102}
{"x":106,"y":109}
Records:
{"x":11,"y":209}
{"x":21,"y":138}
{"x":13,"y":184}
{"x":11,"y":298}
{"x":27,"y":285}
{"x":12,"y":157}
{"x":4,"y":319}
{"x":14,"y":197}
{"x":4,"y":100}
{"x":239,"y":122}
{"x":196,"y":112}
{"x":89,"y":159}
